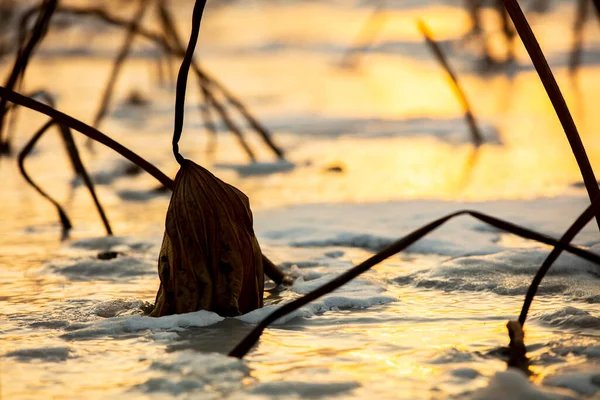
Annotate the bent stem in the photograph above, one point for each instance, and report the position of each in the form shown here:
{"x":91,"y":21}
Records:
{"x":119,"y":61}
{"x":179,"y":51}
{"x":205,"y":87}
{"x":81,"y":171}
{"x":75,"y":159}
{"x":476,"y":135}
{"x":252,"y":338}
{"x":18,"y":72}
{"x":64,"y":219}
{"x":573,"y":230}
{"x":271,"y":270}
{"x":183,"y":77}
{"x":77,"y":165}
{"x":88,"y":131}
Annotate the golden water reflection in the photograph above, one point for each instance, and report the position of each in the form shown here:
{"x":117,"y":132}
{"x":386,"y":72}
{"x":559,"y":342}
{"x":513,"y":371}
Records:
{"x":411,"y":143}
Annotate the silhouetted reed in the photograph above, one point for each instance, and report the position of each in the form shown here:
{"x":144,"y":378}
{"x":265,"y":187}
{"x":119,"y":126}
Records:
{"x":476,"y":135}
{"x":47,"y":8}
{"x":209,"y":84}
{"x":119,"y":61}
{"x":74,"y":158}
{"x":556,"y":97}
{"x":578,"y":25}
{"x":175,"y":47}
{"x":252,"y":338}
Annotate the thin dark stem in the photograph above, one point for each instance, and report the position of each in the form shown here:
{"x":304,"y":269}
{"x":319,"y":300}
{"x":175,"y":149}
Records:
{"x":167,"y":34}
{"x":575,"y":57}
{"x":556,"y":97}
{"x":205,"y":82}
{"x":39,"y":31}
{"x":170,"y":32}
{"x":220,"y":109}
{"x":73,"y":152}
{"x":81,"y":171}
{"x":257,"y":126}
{"x":573,"y":230}
{"x":183,"y":76}
{"x":78,"y":165}
{"x":476,"y":135}
{"x":88,"y":131}
{"x":250,"y":340}
{"x":64,"y":220}
{"x":272,"y":271}
{"x":119,"y":61}
{"x":169,"y":48}
{"x":207,"y":117}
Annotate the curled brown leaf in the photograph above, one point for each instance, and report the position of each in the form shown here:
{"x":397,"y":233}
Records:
{"x":210,"y":258}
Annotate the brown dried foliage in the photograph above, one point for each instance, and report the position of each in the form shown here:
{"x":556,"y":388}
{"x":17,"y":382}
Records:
{"x":210,"y":258}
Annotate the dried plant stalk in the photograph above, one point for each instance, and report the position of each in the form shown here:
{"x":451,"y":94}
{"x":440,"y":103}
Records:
{"x":205,"y":86}
{"x":203,"y":76}
{"x":87,"y":130}
{"x":76,"y":162}
{"x":119,"y":61}
{"x":569,"y":235}
{"x":252,"y":338}
{"x":64,"y":219}
{"x":270,"y":269}
{"x":78,"y":167}
{"x":556,"y":97}
{"x":517,"y":356}
{"x":476,"y":135}
{"x":47,"y":8}
{"x":210,"y":258}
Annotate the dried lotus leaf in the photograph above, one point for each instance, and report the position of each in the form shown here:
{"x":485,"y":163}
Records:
{"x":210,"y":258}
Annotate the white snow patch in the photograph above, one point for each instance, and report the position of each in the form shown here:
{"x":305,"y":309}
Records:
{"x":513,"y":384}
{"x":304,"y":389}
{"x":115,"y":308}
{"x":121,"y":325}
{"x":587,"y":383}
{"x":48,"y":354}
{"x":570,"y":317}
{"x":198,"y":375}
{"x":510,"y":272}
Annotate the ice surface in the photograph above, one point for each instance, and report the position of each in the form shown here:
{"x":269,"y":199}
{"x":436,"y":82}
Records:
{"x":375,"y":226}
{"x":513,"y":384}
{"x":570,"y":317}
{"x":258,"y":168}
{"x":49,"y":354}
{"x":91,"y":268}
{"x":195,"y":374}
{"x":509,"y":272}
{"x":587,"y":383}
{"x":304,"y":389}
{"x":121,"y":325}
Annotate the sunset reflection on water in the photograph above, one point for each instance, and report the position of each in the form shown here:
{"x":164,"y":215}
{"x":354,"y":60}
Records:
{"x":389,"y":131}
